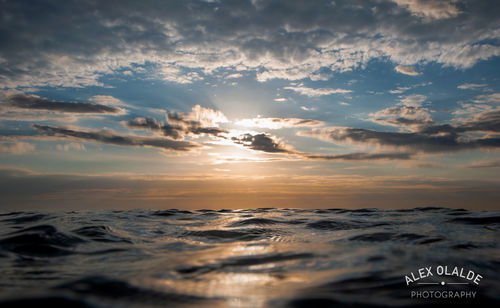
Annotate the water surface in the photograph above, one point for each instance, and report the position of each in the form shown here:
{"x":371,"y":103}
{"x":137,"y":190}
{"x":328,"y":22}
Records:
{"x":242,"y":258}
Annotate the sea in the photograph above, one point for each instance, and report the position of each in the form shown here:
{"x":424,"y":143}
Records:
{"x":266,"y":257}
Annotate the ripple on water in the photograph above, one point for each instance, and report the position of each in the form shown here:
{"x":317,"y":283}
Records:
{"x":390,"y":236}
{"x":252,"y":257}
{"x":336,"y":225}
{"x":245,"y":261}
{"x":25,"y":219}
{"x":124,"y":292}
{"x":476,"y":220}
{"x":48,"y":301}
{"x":246,"y":234}
{"x":42,"y":240}
{"x":101,"y":234}
{"x":262,"y":222}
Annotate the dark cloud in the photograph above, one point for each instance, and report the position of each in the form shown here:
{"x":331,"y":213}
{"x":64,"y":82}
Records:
{"x":178,"y":130}
{"x":175,"y":132}
{"x":34,"y":102}
{"x":215,"y":131}
{"x":261,"y":142}
{"x":72,"y":43}
{"x":197,"y":126}
{"x":488,"y":122}
{"x":477,"y":132}
{"x":266,"y":143}
{"x":418,"y":141}
{"x":114,"y":138}
{"x":306,"y":122}
{"x":441,"y":128}
{"x":360,"y":156}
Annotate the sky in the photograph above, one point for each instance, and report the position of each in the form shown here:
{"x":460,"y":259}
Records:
{"x":242,"y":104}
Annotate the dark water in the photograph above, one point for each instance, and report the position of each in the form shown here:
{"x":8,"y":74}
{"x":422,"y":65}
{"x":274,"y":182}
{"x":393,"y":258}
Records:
{"x":244,"y":258}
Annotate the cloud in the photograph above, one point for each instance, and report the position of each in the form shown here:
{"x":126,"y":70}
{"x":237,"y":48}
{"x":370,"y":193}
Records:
{"x":278,"y":123}
{"x":431,"y":9}
{"x":199,"y":116}
{"x":110,"y":137}
{"x":34,"y":102}
{"x":16,"y":147}
{"x":280,"y":99}
{"x":360,"y":156}
{"x":26,"y":189}
{"x":471,"y":109}
{"x":234,"y":76}
{"x":176,"y":74}
{"x":433,"y":139}
{"x":400,"y":90}
{"x":200,"y":121}
{"x":414,"y":100}
{"x":187,"y":41}
{"x":485,"y":164}
{"x":485,"y":122}
{"x":407,"y":70}
{"x":262,"y":142}
{"x":177,"y":131}
{"x":301,"y":89}
{"x":408,"y":113}
{"x":402,"y":116}
{"x":25,"y":115}
{"x":488,"y":98}
{"x":320,"y":76}
{"x":472,"y":86}
{"x":270,"y":144}
{"x":72,"y":146}
{"x":107,"y":100}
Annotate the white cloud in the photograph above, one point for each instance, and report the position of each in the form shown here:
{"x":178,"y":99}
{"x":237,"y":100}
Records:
{"x":405,"y":116}
{"x":205,"y":116}
{"x":186,"y":42}
{"x":311,"y":92}
{"x":400,"y":90}
{"x":472,"y":86}
{"x":280,"y":99}
{"x":414,"y":100}
{"x":107,"y":100}
{"x":471,"y":109}
{"x":71,"y":146}
{"x":430,"y":9}
{"x":234,"y":76}
{"x":278,"y":123}
{"x":488,"y":98}
{"x":16,"y":147}
{"x":408,"y":113}
{"x":169,"y":72}
{"x":320,"y":76}
{"x":407,"y":70}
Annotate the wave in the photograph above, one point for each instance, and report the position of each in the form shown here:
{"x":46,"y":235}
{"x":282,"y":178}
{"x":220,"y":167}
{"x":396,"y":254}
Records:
{"x":262,"y":257}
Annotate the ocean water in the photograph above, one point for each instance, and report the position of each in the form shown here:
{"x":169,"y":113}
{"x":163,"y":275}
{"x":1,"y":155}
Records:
{"x":246,"y":258}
